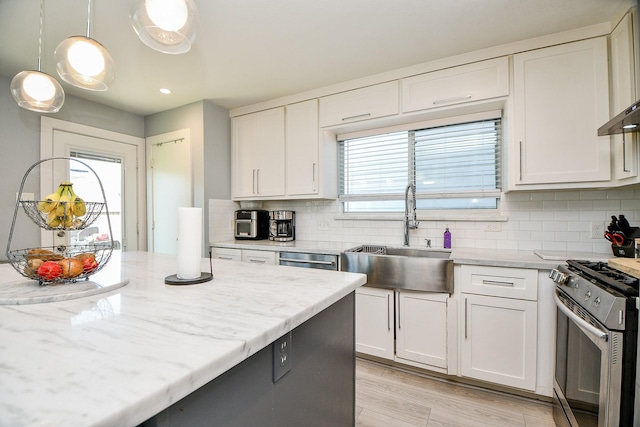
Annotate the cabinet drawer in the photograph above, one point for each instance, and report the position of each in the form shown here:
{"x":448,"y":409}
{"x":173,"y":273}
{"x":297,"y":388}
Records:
{"x":227,"y":254}
{"x":259,"y":257}
{"x":360,"y":104}
{"x":517,"y":283}
{"x":467,"y":83}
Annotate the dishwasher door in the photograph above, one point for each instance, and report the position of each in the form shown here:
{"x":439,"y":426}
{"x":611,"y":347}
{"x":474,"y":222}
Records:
{"x":321,"y":261}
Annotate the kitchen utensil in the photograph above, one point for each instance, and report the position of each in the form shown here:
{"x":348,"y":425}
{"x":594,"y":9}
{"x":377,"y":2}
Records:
{"x":617,"y":238}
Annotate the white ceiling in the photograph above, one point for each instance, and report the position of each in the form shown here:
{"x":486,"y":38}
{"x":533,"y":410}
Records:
{"x":249,"y":51}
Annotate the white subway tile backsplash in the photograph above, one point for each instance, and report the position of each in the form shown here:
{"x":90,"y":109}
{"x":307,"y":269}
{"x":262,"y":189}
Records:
{"x":535,"y":220}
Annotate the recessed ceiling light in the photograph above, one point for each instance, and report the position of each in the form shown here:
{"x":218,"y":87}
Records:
{"x":165,"y":91}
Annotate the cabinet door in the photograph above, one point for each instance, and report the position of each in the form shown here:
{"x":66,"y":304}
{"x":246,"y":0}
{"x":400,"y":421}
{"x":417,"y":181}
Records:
{"x":422,"y":327}
{"x":302,"y":148}
{"x":259,"y":257}
{"x":258,"y":154}
{"x":361,"y":104}
{"x":623,"y":94}
{"x":246,"y":151}
{"x":561,"y":97}
{"x":227,"y":254}
{"x":467,"y":83}
{"x":270,"y":176}
{"x":499,"y":341}
{"x":374,"y":322}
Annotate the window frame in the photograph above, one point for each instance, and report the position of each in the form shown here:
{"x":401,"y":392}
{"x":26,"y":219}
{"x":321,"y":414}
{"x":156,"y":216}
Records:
{"x":483,"y":214}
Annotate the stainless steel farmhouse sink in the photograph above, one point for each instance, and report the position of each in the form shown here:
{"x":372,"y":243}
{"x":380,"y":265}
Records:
{"x":401,"y":267}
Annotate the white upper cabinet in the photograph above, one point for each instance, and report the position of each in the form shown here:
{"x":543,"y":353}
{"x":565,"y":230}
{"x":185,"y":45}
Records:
{"x":561,"y":98}
{"x":623,"y":94}
{"x":361,"y":104}
{"x":302,"y":148}
{"x":258,"y":157}
{"x":466,"y":83}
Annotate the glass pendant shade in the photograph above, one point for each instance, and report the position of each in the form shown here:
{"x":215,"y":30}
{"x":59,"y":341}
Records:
{"x":37,"y":91}
{"x":168,"y":26}
{"x":85,"y":63}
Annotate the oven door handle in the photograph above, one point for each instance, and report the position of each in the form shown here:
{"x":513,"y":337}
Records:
{"x":597,"y":332}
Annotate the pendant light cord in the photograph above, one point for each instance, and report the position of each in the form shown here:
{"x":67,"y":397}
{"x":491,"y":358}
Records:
{"x":89,"y":19}
{"x":40,"y":34}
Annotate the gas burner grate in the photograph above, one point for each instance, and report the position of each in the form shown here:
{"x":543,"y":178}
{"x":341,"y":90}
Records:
{"x":601,"y":274}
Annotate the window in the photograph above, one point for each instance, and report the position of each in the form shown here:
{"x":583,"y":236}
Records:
{"x":453,"y":166}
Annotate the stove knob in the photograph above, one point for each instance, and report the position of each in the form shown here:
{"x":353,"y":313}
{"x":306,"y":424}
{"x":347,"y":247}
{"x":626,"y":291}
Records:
{"x":558,"y":277}
{"x":587,"y":295}
{"x":596,"y":301}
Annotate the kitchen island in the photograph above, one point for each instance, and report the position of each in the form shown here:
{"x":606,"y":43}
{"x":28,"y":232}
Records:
{"x":124,"y":356}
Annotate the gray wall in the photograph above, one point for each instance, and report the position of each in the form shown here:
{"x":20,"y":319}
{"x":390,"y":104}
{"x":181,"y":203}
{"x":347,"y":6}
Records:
{"x":20,"y":148}
{"x":210,"y":144}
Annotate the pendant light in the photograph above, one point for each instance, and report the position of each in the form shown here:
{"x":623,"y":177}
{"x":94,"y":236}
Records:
{"x":83,"y":62}
{"x":168,"y":26}
{"x":35,"y":90}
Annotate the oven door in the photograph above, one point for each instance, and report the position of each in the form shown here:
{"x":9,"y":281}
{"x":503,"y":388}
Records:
{"x":588,"y":374}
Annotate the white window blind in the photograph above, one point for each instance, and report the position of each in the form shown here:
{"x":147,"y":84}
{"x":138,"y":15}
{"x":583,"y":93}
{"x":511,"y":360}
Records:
{"x":455,"y":166}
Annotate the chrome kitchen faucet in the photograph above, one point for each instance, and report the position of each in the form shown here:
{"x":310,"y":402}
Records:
{"x":413,"y":222}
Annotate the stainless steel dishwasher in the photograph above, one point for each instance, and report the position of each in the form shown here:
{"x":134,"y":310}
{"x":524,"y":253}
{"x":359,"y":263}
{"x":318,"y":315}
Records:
{"x":306,"y":260}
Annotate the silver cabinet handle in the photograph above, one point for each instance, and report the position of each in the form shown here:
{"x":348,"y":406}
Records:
{"x":225,"y":257}
{"x":452,"y":99}
{"x":398,"y":295}
{"x":388,"y":312}
{"x":497,"y":282}
{"x":466,"y":321}
{"x":520,"y":154}
{"x":358,"y":116}
{"x":257,"y":181}
{"x":253,"y":181}
{"x":257,"y":260}
{"x":313,"y":176}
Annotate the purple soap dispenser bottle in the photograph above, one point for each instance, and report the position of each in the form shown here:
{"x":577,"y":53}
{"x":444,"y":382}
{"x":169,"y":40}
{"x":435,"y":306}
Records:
{"x":447,"y":238}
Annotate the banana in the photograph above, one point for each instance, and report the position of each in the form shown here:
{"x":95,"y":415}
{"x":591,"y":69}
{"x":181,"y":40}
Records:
{"x":64,"y":207}
{"x":50,"y":202}
{"x":53,"y":220}
{"x":79,"y":208}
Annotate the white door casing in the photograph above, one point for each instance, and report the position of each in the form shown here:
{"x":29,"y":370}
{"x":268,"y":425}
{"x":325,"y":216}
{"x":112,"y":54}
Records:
{"x":58,"y":138}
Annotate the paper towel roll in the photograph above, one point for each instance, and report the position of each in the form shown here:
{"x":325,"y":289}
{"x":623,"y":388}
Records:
{"x":189,"y":243}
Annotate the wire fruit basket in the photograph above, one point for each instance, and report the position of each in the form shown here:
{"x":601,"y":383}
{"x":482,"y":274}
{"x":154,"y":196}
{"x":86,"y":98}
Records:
{"x":60,"y":212}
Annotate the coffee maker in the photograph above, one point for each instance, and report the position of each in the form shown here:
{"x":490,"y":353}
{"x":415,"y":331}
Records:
{"x":282,"y":227}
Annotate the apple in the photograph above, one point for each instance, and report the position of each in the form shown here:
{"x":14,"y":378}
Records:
{"x":50,"y":270}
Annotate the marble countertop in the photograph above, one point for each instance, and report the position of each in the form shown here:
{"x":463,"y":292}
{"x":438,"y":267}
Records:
{"x":306,"y":246}
{"x":539,"y":259}
{"x":120,"y":357}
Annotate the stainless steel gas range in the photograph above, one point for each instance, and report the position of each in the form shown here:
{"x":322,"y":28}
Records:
{"x":596,"y":345}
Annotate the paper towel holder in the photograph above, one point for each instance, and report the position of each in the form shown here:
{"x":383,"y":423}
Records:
{"x":204,"y":277}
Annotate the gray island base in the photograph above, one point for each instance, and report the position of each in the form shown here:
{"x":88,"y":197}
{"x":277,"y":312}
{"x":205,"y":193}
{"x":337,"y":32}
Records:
{"x":317,"y":390}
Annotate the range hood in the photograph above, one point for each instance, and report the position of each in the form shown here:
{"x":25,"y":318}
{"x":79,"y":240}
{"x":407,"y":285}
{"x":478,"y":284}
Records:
{"x":627,"y":121}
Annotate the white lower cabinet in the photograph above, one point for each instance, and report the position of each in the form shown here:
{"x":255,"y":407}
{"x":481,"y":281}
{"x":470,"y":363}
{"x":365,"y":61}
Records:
{"x":259,"y":257}
{"x":226,"y":254}
{"x":374,"y":322}
{"x":245,"y":255}
{"x":422,"y":327}
{"x":405,"y":326}
{"x":499,"y":341}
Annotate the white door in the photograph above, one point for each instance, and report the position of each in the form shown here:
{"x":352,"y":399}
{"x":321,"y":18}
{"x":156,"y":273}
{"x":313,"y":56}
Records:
{"x":170,"y":187}
{"x":114,"y":163}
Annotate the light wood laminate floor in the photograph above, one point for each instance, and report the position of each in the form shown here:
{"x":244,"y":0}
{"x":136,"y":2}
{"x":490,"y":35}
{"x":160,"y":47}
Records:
{"x":390,"y":397}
